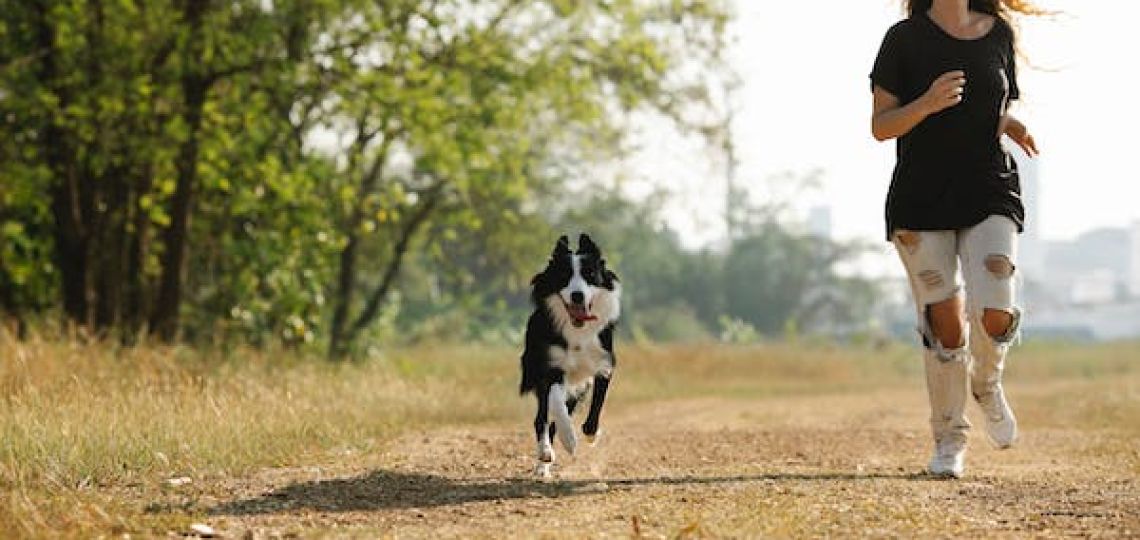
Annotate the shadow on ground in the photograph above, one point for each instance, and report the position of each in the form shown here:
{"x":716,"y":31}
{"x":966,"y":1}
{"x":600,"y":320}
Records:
{"x":384,"y":489}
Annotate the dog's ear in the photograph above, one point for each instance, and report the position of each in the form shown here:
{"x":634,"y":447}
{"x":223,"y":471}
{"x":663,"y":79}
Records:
{"x":562,"y":247}
{"x":586,"y":245}
{"x":610,"y":276}
{"x":610,"y":279}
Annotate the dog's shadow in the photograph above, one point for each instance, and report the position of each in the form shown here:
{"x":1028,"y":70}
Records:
{"x":388,"y":490}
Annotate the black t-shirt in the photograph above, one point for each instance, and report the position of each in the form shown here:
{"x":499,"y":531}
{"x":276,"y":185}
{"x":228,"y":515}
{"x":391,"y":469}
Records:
{"x":952,"y":171}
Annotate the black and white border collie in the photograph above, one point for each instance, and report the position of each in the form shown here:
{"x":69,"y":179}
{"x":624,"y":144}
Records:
{"x":569,"y":344}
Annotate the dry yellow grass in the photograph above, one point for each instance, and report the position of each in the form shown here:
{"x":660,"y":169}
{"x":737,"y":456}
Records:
{"x":90,"y":435}
{"x":76,"y":420}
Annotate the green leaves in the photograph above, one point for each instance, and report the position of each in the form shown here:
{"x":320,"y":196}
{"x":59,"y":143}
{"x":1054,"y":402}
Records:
{"x":416,"y":134}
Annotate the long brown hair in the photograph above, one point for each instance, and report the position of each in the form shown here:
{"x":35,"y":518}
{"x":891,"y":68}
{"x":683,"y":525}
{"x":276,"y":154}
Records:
{"x":1002,"y":9}
{"x":997,"y":8}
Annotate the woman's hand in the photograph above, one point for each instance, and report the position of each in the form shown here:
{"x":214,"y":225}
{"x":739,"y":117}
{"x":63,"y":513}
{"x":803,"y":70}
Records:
{"x":890,"y":119}
{"x":945,"y":92}
{"x":1019,"y":134}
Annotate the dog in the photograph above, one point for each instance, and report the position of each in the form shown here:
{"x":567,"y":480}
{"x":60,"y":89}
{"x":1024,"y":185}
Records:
{"x":569,"y":344}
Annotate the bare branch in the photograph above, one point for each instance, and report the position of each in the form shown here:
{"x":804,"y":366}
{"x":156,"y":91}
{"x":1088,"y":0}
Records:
{"x":427,"y":205}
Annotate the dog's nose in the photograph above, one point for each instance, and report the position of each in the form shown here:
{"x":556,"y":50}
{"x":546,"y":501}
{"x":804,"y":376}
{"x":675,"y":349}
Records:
{"x":577,"y":297}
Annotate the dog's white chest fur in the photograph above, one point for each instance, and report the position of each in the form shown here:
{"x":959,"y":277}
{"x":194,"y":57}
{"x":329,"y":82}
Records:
{"x":583,"y":357}
{"x":581,"y":360}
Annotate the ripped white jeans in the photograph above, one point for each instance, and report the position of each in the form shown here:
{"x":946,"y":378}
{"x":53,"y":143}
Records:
{"x":978,"y":259}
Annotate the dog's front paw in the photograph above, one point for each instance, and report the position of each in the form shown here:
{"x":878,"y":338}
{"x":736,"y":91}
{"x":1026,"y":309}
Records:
{"x":592,"y":438}
{"x":545,"y":453}
{"x":542,"y":470}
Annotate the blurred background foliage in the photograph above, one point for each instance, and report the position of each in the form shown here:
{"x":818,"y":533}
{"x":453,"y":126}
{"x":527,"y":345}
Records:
{"x":337,"y":175}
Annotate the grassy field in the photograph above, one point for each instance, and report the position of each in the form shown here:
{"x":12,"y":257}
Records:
{"x":783,"y":440}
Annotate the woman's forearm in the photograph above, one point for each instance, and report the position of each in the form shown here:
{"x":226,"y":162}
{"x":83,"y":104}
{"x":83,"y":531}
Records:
{"x":898,"y":121}
{"x":1018,"y":132}
{"x":1013,"y":127}
{"x":890,"y":119}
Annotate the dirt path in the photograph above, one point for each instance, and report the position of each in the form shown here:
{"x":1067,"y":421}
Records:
{"x":836,"y":465}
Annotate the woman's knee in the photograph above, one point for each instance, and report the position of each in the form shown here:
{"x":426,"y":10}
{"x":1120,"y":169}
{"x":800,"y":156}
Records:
{"x":997,"y":322}
{"x":947,"y":322}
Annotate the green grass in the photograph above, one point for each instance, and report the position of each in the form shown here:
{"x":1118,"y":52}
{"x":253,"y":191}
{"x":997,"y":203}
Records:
{"x":80,"y":425}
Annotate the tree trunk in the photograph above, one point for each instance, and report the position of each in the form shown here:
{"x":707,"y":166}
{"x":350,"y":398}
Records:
{"x":338,"y":344}
{"x":111,"y":254}
{"x":176,"y":238}
{"x":137,"y":248}
{"x":346,"y":276}
{"x":106,"y":193}
{"x":70,"y":236}
{"x":399,"y":251}
{"x":344,"y":337}
{"x":9,"y":304}
{"x":195,"y":86}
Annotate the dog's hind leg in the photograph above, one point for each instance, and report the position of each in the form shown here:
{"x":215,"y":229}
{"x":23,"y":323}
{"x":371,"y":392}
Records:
{"x":556,"y":403}
{"x":545,"y":450}
{"x":590,"y":428}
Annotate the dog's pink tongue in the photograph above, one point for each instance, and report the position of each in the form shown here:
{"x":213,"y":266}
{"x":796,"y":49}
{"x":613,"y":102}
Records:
{"x":578,"y":312}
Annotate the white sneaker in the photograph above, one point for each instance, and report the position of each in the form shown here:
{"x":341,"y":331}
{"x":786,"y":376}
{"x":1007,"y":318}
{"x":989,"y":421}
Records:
{"x":1001,"y":425}
{"x":949,"y":459}
{"x":947,"y":383}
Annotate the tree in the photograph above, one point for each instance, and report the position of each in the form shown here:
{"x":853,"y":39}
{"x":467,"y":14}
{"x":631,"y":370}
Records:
{"x":773,"y":277}
{"x":168,"y":165}
{"x":113,"y":103}
{"x":476,"y":109}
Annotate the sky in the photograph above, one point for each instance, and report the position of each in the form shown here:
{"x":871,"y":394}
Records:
{"x":805,"y":105}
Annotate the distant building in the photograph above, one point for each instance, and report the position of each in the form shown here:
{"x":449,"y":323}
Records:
{"x":1099,"y":286}
{"x":1087,"y":287}
{"x":1094,"y":268}
{"x":1134,"y":263}
{"x":1031,"y":249}
{"x":1088,"y":322}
